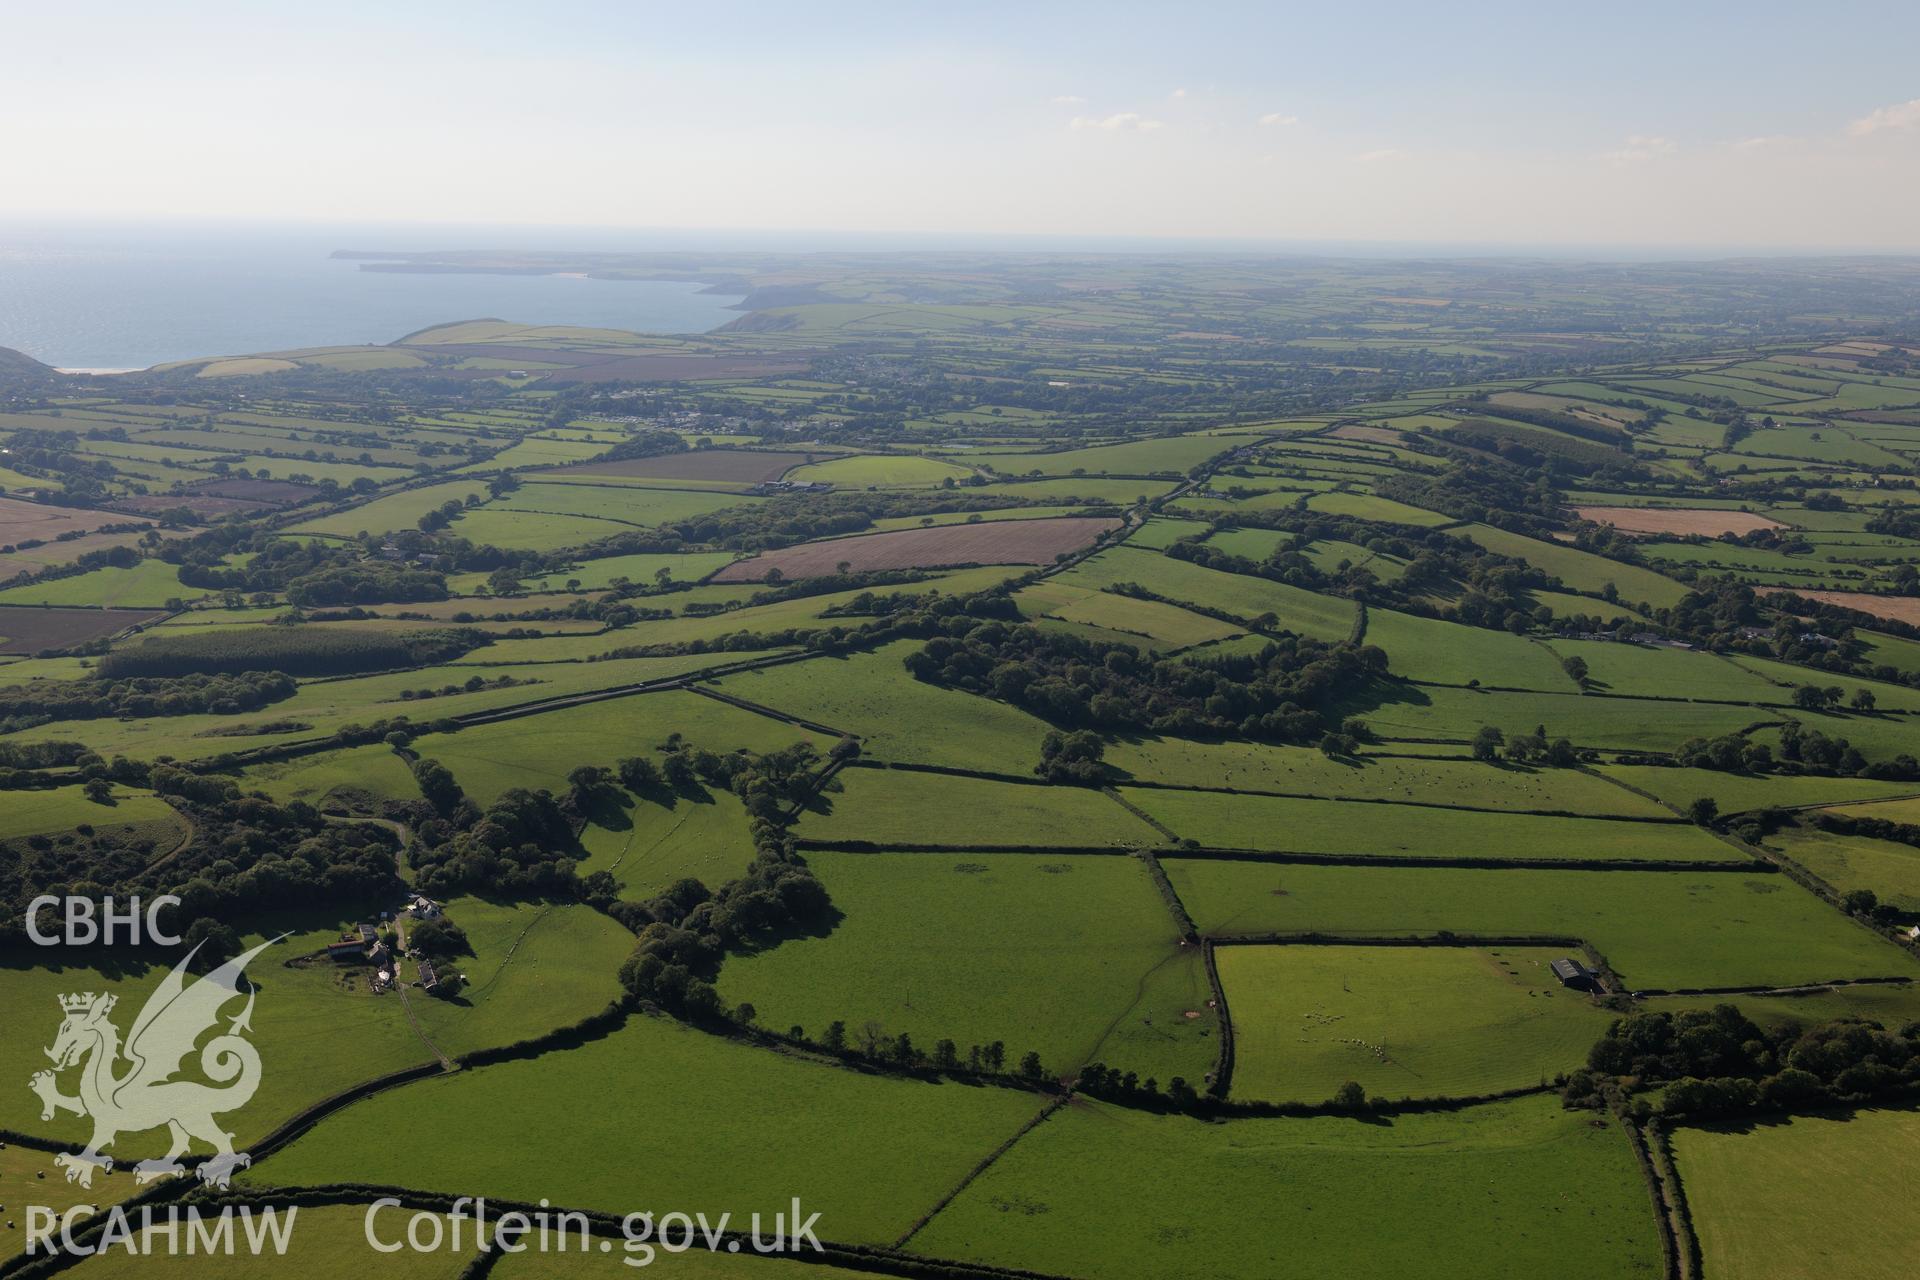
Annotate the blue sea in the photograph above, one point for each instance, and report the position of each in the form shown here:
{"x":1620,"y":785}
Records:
{"x":128,"y":297}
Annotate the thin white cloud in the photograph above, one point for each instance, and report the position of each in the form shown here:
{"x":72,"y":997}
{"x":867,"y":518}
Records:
{"x":1118,"y":122}
{"x":1900,"y":115}
{"x":1178,"y":94}
{"x":1766,"y":140}
{"x":1275,"y":119}
{"x":1376,"y":156}
{"x":1068,"y":100}
{"x":1642,"y":147}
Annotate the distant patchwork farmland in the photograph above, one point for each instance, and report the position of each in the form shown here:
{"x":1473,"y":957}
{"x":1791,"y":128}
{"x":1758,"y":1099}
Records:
{"x":992,"y":542}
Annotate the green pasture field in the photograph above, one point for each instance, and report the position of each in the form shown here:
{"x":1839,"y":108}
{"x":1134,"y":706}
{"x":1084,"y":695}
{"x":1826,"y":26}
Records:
{"x":58,"y":810}
{"x":896,"y":716}
{"x":325,"y":1240}
{"x":1803,"y":1196}
{"x":807,"y":613}
{"x":652,"y":843}
{"x":1784,"y":676}
{"x":868,"y":1152}
{"x":1580,"y":570}
{"x":538,"y":451}
{"x":1147,"y":624}
{"x":1759,"y":567}
{"x":1907,"y":811}
{"x":148,"y":585}
{"x":893,"y":807}
{"x":391,"y":511}
{"x":890,"y":523}
{"x":1419,"y":1022}
{"x":353,"y":778}
{"x":1823,"y":444}
{"x":1892,"y":1005}
{"x":1890,"y":869}
{"x":1366,"y":506}
{"x":639,"y":569}
{"x":1304,"y":771}
{"x":1163,"y":456}
{"x":1565,"y":605}
{"x":1285,"y":825}
{"x":1647,"y":672}
{"x":1666,"y":930}
{"x":317,"y":1028}
{"x":534,"y":967}
{"x":15,"y":670}
{"x":623,"y":503}
{"x":1849,"y":521}
{"x":1328,"y":553}
{"x":1625,"y":724}
{"x":344,"y":473}
{"x":697,"y":1263}
{"x":540,"y":750}
{"x":1078,"y":489}
{"x":1076,"y":959}
{"x":28,"y":1176}
{"x":1162,"y":532}
{"x":324,"y":706}
{"x":880,"y":470}
{"x":1409,"y":1196}
{"x":1879,"y":737}
{"x":1307,"y":612}
{"x":1428,"y":649}
{"x":1276,"y":499}
{"x":1254,"y":544}
{"x":530,"y":530}
{"x":1739,"y":792}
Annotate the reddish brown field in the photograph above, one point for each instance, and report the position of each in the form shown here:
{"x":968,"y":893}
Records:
{"x":1898,"y":608}
{"x":277,"y":492}
{"x":1681,"y":520}
{"x":992,"y":542}
{"x":729,"y":466}
{"x":22,"y":521}
{"x":48,"y":554}
{"x":202,"y":505}
{"x":29,"y":630}
{"x":1373,"y":435}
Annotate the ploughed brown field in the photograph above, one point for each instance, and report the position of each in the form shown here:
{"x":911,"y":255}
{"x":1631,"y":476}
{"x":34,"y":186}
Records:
{"x":24,"y":629}
{"x":203,"y":505}
{"x":47,"y":554}
{"x":277,"y":492}
{"x":22,"y":521}
{"x":1898,"y":608}
{"x":1375,"y":435}
{"x":990,"y":542}
{"x":1681,"y":520}
{"x":732,"y":466}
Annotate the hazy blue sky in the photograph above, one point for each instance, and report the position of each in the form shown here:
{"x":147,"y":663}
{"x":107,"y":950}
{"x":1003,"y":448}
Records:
{"x":1712,"y":124}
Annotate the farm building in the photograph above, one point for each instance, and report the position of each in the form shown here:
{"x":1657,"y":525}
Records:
{"x":1574,"y":974}
{"x":347,"y":951}
{"x":429,"y":980}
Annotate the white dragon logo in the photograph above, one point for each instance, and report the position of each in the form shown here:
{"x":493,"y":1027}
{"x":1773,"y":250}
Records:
{"x":147,"y":1096}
